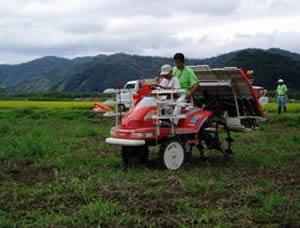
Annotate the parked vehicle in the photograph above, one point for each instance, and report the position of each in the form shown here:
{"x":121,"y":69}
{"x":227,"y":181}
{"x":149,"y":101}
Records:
{"x":124,"y":96}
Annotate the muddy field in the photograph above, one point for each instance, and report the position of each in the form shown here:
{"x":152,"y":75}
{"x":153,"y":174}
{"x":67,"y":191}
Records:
{"x":56,"y":170}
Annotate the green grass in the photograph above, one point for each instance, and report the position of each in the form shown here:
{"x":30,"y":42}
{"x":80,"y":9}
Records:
{"x":47,"y":104}
{"x":291,"y":107}
{"x":267,"y":204}
{"x":271,"y":107}
{"x":99,"y":212}
{"x":56,"y":170}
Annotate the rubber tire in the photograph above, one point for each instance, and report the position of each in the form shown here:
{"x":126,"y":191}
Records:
{"x":135,"y":155}
{"x":163,"y":148}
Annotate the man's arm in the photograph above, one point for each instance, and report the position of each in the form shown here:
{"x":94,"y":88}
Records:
{"x":277,"y":90}
{"x":285,"y":89}
{"x":194,"y":82}
{"x":162,"y":83}
{"x":176,"y":84}
{"x":196,"y":86}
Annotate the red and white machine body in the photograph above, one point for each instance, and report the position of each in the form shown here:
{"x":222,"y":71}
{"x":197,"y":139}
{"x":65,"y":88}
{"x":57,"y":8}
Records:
{"x":227,"y":101}
{"x":139,"y":125}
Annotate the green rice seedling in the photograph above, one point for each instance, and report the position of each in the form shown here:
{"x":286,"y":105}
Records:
{"x":267,"y":203}
{"x":291,"y":107}
{"x":99,"y":213}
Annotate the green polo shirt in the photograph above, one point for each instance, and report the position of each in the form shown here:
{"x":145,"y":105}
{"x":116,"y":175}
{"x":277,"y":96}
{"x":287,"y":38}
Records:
{"x":281,"y":90}
{"x":186,"y":77}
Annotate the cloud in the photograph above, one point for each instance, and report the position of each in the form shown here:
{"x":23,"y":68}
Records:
{"x":35,"y":28}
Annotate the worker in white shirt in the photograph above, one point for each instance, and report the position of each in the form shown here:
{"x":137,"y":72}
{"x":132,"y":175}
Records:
{"x":168,"y":82}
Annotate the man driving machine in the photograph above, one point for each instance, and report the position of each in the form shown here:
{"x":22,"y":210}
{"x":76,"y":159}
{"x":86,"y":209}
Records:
{"x":187,"y":79}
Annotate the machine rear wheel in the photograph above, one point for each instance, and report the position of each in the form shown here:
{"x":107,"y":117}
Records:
{"x":135,"y":155}
{"x":217,"y":138}
{"x":173,"y":154}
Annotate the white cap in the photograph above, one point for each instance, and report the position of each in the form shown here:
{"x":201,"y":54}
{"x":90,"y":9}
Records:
{"x":166,"y":69}
{"x":280,"y":81}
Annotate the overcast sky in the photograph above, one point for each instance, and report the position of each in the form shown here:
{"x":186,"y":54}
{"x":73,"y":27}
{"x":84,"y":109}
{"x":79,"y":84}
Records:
{"x":34,"y":28}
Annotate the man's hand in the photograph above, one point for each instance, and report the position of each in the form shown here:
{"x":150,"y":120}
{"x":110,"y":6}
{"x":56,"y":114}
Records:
{"x":189,"y":95}
{"x":193,"y":90}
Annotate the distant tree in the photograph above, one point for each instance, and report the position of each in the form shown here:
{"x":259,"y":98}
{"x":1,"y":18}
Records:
{"x":3,"y":91}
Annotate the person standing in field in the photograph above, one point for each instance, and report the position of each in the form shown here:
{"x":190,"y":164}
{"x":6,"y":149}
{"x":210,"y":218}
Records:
{"x":281,"y":92}
{"x":187,"y":79}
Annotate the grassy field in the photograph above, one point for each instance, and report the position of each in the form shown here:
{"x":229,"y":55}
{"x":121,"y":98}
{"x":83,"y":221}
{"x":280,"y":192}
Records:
{"x":47,"y":104}
{"x":291,"y":107}
{"x":55,"y":169}
{"x":271,"y":107}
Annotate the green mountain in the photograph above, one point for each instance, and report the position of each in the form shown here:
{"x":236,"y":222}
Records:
{"x":11,"y":74}
{"x":293,"y":55}
{"x":88,"y":74}
{"x":269,"y":67}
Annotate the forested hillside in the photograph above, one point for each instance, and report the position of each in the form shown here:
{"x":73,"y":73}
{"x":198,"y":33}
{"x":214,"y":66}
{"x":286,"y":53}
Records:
{"x":88,"y":74}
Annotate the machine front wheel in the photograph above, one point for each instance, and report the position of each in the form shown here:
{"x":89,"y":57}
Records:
{"x":173,"y":154}
{"x":134,"y":155}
